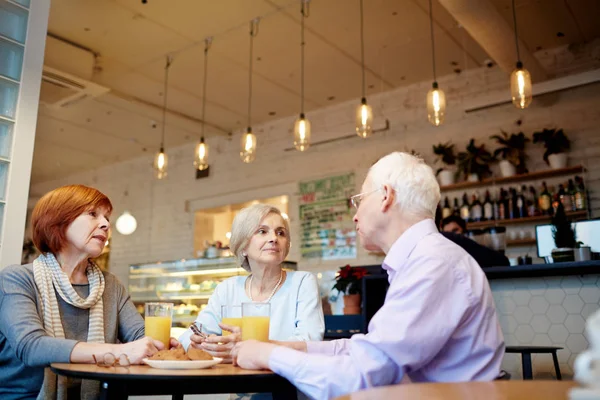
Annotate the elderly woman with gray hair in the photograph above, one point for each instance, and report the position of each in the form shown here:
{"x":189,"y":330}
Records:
{"x":260,"y":241}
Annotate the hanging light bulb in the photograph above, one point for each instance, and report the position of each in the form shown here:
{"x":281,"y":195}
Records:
{"x":364,"y":112}
{"x":302,"y":125}
{"x":126,"y":224}
{"x":201,"y":159}
{"x":520,"y":87}
{"x":302,"y":133}
{"x":201,"y":154}
{"x":160,"y":164}
{"x":520,"y":79}
{"x":248,"y":144}
{"x":436,"y":105}
{"x":364,"y":119}
{"x":436,"y":99}
{"x":160,"y":160}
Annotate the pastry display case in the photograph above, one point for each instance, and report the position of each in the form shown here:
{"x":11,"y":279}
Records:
{"x":186,"y":283}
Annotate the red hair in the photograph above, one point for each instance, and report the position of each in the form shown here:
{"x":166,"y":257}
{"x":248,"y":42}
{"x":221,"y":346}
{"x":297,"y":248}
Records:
{"x":55,"y":211}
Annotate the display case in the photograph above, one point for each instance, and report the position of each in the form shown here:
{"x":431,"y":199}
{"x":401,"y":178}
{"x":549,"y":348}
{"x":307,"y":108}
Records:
{"x":186,"y":283}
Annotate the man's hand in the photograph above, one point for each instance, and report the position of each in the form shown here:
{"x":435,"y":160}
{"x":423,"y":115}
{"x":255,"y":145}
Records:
{"x":252,"y":354}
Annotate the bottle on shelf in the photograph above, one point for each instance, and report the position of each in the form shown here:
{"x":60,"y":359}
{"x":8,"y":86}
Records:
{"x":456,"y":208}
{"x":501,"y":205}
{"x":488,"y":207}
{"x":545,"y":200}
{"x":564,"y":197}
{"x":521,"y":203}
{"x":571,"y":192}
{"x":580,"y":195}
{"x":476,"y":212}
{"x":446,"y":210}
{"x":464,"y":208}
{"x":533,"y":209}
{"x":511,"y":204}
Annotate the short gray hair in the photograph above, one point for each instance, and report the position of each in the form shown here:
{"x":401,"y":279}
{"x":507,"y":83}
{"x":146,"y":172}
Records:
{"x":417,"y":190}
{"x":245,"y":224}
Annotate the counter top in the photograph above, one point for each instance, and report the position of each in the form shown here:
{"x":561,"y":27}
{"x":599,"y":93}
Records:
{"x":537,"y":270}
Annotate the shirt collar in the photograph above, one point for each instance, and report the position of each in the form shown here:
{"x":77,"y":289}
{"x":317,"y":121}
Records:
{"x":404,"y":245}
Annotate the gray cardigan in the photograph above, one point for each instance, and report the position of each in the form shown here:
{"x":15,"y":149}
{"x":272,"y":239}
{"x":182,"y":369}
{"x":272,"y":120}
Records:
{"x":25,"y":349}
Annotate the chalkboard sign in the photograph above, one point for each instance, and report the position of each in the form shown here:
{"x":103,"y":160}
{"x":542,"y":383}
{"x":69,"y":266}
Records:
{"x":328,"y":231}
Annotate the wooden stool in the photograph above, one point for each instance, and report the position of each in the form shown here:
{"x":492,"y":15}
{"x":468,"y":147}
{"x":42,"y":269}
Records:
{"x":526,"y":358}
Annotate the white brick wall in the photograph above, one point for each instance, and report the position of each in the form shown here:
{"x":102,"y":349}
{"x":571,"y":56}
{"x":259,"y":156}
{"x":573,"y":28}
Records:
{"x":164,"y":208}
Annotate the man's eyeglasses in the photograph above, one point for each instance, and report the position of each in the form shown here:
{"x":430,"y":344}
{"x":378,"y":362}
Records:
{"x":357,"y":198}
{"x":110,"y":360}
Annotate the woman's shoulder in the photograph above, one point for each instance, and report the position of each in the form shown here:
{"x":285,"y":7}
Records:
{"x":17,"y":276}
{"x":298,"y":278}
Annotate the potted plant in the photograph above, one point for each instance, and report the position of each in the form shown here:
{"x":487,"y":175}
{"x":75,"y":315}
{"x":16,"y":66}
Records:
{"x":564,"y":236}
{"x":512,"y":152}
{"x":349,"y":282}
{"x":445,"y":156}
{"x":474,"y":163}
{"x":557,"y":144}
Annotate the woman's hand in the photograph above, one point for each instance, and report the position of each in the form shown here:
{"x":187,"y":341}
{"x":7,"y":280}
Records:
{"x":138,"y":350}
{"x":174,"y":343}
{"x":219,"y":346}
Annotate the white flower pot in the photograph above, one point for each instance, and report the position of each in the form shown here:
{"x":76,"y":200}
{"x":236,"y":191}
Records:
{"x":446,"y":177}
{"x":473,"y":178}
{"x":558,"y":161}
{"x":507,"y":168}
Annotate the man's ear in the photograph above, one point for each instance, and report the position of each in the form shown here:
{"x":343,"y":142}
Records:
{"x":389,"y":198}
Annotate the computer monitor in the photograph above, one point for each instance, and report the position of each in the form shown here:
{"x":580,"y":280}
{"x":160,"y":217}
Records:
{"x":588,"y":232}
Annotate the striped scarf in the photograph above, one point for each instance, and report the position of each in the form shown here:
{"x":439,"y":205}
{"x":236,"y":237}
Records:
{"x":48,"y":276}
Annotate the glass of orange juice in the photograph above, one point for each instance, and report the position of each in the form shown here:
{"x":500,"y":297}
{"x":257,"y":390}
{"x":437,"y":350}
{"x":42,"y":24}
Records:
{"x":158,"y":318}
{"x":231,"y":315}
{"x":255,"y":321}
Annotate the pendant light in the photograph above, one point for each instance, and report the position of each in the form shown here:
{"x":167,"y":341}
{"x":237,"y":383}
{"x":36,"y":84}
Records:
{"x":364,"y":112}
{"x":520,"y":79}
{"x":201,"y":154}
{"x":436,"y":99}
{"x":161,"y":160}
{"x":126,"y":223}
{"x":302,"y":124}
{"x":248,"y":142}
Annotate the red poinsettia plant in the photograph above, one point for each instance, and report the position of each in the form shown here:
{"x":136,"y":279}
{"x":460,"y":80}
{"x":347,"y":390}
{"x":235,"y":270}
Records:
{"x":348,"y":279}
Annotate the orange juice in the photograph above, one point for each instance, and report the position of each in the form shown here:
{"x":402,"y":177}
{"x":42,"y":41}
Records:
{"x":255,"y":328}
{"x":231,"y":321}
{"x":159,"y":328}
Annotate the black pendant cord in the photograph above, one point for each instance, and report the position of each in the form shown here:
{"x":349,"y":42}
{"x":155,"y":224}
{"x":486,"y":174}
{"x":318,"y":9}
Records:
{"x":304,"y":12}
{"x":165,"y":91}
{"x":253,"y":33}
{"x":432,"y":41}
{"x":362,"y":50}
{"x":207,"y":43}
{"x":516,"y":35}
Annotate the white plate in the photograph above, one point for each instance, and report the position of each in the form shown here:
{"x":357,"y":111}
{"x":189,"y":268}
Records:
{"x":190,"y":364}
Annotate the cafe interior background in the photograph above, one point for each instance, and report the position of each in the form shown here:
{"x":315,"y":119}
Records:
{"x":122,"y":80}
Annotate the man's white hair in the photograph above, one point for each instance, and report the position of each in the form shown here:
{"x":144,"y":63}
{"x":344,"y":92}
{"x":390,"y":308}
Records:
{"x":417,"y":190}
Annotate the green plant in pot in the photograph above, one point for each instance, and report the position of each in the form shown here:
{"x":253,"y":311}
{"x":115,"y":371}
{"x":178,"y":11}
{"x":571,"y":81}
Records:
{"x":474,"y":163}
{"x":444,"y":153}
{"x":557,"y":145}
{"x":564,"y":236}
{"x":512,"y":153}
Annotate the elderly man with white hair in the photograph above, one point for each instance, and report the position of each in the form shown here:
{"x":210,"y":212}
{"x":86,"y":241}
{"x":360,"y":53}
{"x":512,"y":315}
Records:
{"x":438,"y":322}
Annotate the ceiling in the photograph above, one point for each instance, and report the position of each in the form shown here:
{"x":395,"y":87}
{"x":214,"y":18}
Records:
{"x":131,"y":41}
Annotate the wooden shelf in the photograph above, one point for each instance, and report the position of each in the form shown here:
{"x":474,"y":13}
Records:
{"x":521,"y":242}
{"x":528,"y":220}
{"x":548,"y":173}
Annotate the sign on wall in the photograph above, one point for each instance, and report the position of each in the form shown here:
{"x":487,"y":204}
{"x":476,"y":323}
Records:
{"x":327,"y":228}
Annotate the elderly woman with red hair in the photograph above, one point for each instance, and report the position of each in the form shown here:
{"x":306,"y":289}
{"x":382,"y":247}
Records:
{"x":63,"y":308}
